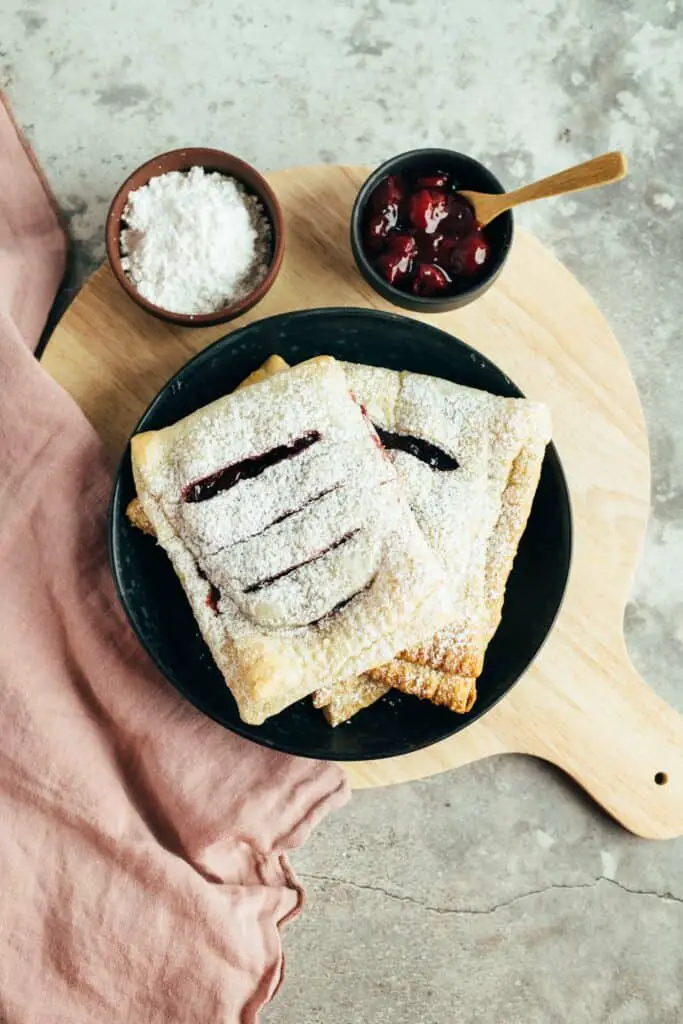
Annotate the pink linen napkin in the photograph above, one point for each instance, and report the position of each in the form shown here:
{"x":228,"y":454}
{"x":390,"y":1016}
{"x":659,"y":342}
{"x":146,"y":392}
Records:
{"x":142,"y":868}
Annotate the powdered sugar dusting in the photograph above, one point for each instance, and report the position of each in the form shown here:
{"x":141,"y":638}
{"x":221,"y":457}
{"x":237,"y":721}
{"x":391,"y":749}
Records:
{"x":357,"y":551}
{"x":472,"y":517}
{"x":194,"y":242}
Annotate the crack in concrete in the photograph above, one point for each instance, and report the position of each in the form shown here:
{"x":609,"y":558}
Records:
{"x":666,"y":896}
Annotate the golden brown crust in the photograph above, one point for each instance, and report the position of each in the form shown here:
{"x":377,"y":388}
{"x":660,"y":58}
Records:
{"x":458,"y":693}
{"x":444,"y":652}
{"x":515,"y":510}
{"x":339,"y":703}
{"x":136,"y":516}
{"x":272,"y":365}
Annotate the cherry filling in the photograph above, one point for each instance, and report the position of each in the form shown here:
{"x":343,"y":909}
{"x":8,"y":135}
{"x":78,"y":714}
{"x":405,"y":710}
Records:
{"x":262,"y":584}
{"x":296,"y":511}
{"x":208,"y":487}
{"x":342,"y":604}
{"x":435,"y":458}
{"x":247,"y":469}
{"x":214,"y":594}
{"x":372,"y":430}
{"x":422,"y":235}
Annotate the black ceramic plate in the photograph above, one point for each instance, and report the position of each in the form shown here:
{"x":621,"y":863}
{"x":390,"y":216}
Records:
{"x":161,"y":616}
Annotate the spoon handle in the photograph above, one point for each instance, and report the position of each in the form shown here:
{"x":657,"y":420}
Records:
{"x":599,"y":171}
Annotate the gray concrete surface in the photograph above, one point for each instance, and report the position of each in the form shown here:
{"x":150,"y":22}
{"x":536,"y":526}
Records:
{"x":498,"y":894}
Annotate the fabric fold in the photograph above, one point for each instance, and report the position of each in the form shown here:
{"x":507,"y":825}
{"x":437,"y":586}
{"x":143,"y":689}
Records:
{"x":32,"y":243}
{"x":142,"y":847}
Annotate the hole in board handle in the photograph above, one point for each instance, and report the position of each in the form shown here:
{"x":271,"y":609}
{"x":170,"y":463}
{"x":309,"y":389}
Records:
{"x":661,"y":778}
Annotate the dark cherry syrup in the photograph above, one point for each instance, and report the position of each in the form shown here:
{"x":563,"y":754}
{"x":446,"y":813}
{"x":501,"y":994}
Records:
{"x":422,"y":236}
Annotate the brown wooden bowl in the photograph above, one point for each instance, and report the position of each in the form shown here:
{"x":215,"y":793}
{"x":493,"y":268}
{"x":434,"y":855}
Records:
{"x":210,"y":160}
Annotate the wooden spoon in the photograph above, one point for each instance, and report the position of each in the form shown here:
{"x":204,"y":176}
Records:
{"x":601,"y":170}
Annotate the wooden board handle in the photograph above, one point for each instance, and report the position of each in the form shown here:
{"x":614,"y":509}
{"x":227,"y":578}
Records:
{"x":600,"y":723}
{"x":624,"y":745}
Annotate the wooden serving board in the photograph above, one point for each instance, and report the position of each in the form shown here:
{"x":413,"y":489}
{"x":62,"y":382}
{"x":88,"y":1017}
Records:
{"x":581,"y":705}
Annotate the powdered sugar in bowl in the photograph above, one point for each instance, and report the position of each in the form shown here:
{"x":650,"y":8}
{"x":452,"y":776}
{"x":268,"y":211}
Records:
{"x":195,"y":236}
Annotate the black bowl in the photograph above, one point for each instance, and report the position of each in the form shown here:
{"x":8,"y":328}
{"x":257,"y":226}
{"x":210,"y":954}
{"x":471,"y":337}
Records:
{"x":160,"y":613}
{"x":467,"y":173}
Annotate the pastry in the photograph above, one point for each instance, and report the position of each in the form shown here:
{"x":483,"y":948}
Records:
{"x":343,"y":700}
{"x":469,"y":463}
{"x":287,"y":527}
{"x":273,"y":364}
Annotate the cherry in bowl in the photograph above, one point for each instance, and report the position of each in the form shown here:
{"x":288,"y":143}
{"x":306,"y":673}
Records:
{"x":416,"y":240}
